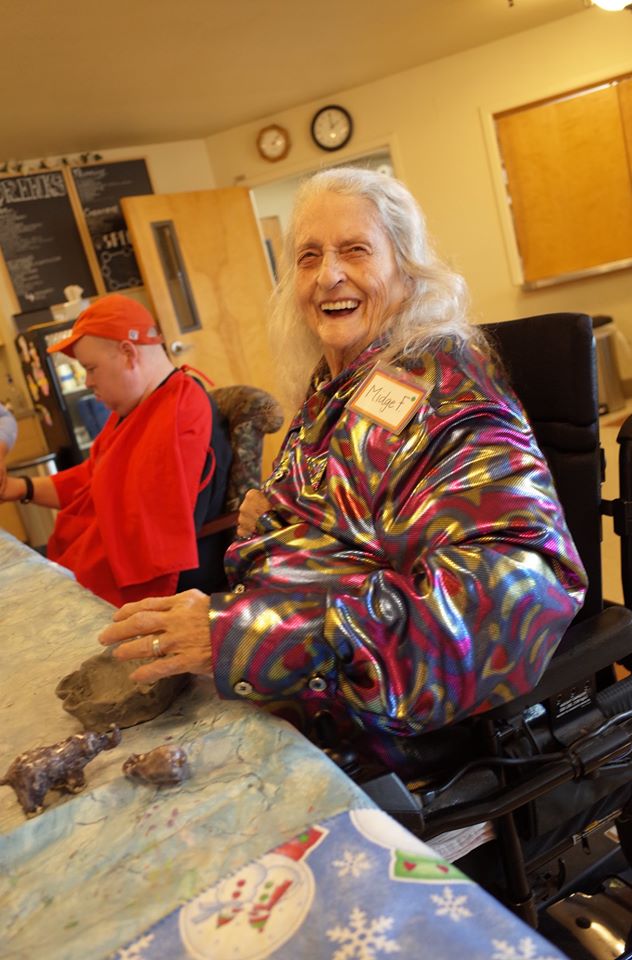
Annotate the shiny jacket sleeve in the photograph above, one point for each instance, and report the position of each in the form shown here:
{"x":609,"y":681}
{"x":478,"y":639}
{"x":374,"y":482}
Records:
{"x":475,"y":580}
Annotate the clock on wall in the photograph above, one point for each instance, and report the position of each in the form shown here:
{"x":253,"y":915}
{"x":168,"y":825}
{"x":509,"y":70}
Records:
{"x":273,"y":142}
{"x":332,"y":127}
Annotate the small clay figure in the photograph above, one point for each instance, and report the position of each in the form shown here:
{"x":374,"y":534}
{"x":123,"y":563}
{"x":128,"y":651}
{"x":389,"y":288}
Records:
{"x":57,"y":767}
{"x":165,"y":765}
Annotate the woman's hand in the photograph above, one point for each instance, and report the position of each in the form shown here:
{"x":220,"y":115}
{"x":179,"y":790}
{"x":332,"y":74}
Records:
{"x":252,"y":507}
{"x":179,"y":624}
{"x":4,"y":452}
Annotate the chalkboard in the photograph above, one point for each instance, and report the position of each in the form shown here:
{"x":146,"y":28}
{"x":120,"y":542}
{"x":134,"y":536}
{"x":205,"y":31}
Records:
{"x":40,"y":240}
{"x":99,"y":188}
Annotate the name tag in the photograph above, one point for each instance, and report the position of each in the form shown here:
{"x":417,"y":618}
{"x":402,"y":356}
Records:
{"x":387,"y":397}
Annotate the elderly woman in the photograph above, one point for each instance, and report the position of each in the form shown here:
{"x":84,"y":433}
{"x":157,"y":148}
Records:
{"x":407,"y":563}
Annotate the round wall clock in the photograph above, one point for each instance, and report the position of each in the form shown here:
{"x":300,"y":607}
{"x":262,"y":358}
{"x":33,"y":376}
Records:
{"x":273,"y":142}
{"x":332,"y":127}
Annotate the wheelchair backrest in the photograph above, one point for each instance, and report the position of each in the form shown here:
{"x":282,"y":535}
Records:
{"x":551,"y":363}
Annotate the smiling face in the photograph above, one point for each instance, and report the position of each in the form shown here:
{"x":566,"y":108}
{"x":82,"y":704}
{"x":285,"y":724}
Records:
{"x":348,"y":285}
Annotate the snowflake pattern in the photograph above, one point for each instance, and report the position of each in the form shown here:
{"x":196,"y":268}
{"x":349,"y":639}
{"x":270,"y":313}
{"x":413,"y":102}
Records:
{"x":362,"y":939}
{"x":135,"y":952}
{"x":351,"y":864}
{"x":525,"y":950}
{"x":450,"y":906}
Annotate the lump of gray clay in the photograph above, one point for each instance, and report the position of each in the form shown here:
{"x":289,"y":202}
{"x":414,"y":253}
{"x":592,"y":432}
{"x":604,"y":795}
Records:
{"x":100,"y":693}
{"x":165,"y":765}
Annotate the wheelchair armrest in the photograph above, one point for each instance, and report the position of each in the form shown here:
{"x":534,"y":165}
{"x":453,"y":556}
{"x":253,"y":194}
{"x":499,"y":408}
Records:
{"x":585,"y":648}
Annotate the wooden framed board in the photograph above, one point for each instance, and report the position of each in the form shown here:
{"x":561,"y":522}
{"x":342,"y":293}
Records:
{"x":40,"y":241}
{"x":99,"y":188}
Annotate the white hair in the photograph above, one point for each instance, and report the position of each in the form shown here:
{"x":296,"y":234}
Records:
{"x":438,"y":299}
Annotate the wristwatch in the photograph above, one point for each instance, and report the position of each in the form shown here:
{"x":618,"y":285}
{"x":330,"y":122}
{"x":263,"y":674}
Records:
{"x":28,"y":496}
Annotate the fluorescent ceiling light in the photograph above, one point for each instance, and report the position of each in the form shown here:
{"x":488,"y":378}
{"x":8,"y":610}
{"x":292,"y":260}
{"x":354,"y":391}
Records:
{"x":612,"y":4}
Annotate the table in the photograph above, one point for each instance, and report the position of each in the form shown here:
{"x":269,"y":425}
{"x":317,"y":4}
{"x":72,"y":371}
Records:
{"x":268,"y":849}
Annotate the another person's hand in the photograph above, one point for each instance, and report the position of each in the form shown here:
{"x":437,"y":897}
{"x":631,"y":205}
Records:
{"x":252,"y":507}
{"x":4,"y":450}
{"x":11,"y":488}
{"x":180,"y":626}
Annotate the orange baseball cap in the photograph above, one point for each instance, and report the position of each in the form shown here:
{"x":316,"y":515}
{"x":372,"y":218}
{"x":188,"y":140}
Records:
{"x":113,"y":317}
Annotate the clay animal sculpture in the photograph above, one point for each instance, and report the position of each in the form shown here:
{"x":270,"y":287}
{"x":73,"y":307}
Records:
{"x":57,"y":767}
{"x":166,"y":765}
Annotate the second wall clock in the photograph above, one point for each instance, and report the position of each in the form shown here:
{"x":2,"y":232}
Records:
{"x":332,"y":127}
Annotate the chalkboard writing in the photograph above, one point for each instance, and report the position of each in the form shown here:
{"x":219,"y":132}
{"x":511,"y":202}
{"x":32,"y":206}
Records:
{"x":100,"y":187}
{"x":40,"y":240}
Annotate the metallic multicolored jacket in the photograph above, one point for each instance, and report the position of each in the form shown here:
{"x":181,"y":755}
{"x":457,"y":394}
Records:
{"x":400,"y":582}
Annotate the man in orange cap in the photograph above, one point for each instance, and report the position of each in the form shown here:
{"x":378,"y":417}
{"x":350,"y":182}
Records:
{"x":127,"y":517}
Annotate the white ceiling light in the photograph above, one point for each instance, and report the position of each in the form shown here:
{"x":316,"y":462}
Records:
{"x":612,"y":4}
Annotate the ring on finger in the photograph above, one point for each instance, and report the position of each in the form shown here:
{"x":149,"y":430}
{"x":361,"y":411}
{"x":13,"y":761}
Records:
{"x":155,"y":648}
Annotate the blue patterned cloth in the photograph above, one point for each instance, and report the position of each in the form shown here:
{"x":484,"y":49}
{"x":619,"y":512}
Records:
{"x":356,"y":886}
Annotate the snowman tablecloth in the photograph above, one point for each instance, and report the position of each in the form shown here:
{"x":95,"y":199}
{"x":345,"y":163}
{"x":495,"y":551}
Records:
{"x":354,"y":887}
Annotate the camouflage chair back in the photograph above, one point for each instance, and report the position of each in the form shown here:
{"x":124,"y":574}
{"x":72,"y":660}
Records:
{"x":250,"y":413}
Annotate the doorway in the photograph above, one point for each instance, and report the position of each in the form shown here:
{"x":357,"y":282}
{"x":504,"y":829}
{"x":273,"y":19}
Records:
{"x":273,"y":201}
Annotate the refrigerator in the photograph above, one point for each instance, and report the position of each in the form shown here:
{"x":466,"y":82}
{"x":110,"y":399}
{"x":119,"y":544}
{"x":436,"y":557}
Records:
{"x":69,"y":413}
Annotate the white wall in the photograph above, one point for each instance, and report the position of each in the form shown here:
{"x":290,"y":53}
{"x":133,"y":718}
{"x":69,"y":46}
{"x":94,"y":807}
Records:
{"x":434,"y":119}
{"x":173,"y":167}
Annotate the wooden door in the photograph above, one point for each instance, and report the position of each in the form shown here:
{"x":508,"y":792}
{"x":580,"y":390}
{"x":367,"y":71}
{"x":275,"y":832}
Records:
{"x":225,"y":268}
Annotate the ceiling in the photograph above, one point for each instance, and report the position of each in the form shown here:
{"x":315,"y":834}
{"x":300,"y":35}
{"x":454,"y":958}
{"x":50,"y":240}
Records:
{"x":96,"y":74}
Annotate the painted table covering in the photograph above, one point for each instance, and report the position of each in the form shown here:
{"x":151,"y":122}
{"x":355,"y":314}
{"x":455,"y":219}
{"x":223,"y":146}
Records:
{"x":96,"y":868}
{"x":267,"y":850}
